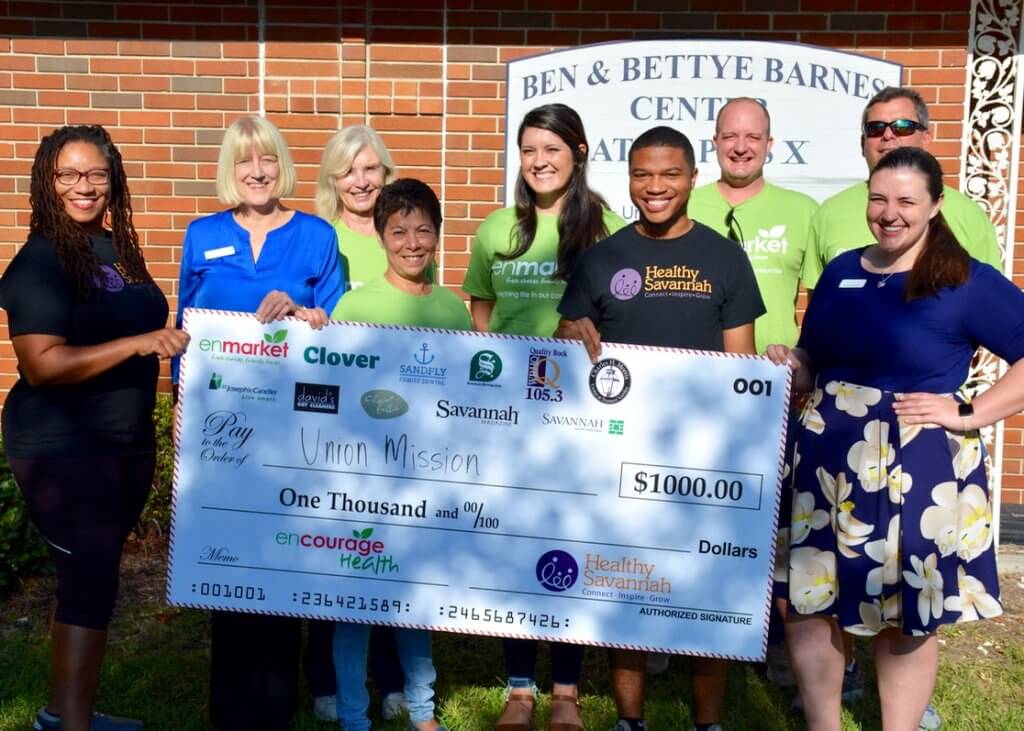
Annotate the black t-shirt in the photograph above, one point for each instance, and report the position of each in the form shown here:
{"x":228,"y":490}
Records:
{"x":676,"y":293}
{"x":108,"y":414}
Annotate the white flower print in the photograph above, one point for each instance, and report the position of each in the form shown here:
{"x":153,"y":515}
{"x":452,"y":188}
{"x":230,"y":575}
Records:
{"x":853,"y":399}
{"x":876,"y":616}
{"x":974,"y":523}
{"x":885,"y":551}
{"x":968,"y":455}
{"x":908,"y":432}
{"x":973,"y":602}
{"x":871,"y":457}
{"x":811,"y":417}
{"x":805,"y":517}
{"x":899,"y":483}
{"x":938,"y":522}
{"x":927,"y":579}
{"x":849,"y":530}
{"x":812,"y":579}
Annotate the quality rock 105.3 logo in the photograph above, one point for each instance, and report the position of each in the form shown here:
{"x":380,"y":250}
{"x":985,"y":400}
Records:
{"x":317,"y":398}
{"x":543,"y":375}
{"x":271,"y":350}
{"x":423,"y":369}
{"x":557,"y":571}
{"x":609,"y":381}
{"x":484,"y":369}
{"x":248,"y":393}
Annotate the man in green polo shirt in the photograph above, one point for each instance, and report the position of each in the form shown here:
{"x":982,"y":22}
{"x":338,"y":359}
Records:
{"x":772,"y":224}
{"x":894,"y":117}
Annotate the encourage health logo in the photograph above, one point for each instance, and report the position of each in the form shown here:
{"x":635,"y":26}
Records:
{"x":557,"y":571}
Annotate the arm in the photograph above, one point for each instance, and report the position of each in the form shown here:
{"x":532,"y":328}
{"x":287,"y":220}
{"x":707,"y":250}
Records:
{"x":480,"y":310}
{"x":739,"y":339}
{"x":48,"y":359}
{"x":1005,"y":398}
{"x":581,"y":329}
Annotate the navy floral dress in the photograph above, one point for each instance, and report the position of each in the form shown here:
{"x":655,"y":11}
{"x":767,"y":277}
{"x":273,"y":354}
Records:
{"x":891,"y":524}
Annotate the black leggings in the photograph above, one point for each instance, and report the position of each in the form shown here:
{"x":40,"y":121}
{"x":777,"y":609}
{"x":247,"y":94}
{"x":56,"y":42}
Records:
{"x":85,"y":506}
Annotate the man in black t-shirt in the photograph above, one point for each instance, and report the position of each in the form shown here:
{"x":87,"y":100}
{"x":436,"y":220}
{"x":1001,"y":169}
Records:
{"x":664,"y":281}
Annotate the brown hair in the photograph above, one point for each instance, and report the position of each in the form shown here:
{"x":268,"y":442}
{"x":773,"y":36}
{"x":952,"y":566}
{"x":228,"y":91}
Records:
{"x":943,"y":262}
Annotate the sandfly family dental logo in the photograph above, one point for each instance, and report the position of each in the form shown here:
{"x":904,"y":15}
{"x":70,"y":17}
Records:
{"x":247,"y":393}
{"x":317,"y":398}
{"x":271,"y":350}
{"x":484,"y":369}
{"x":425,"y":368}
{"x":557,"y":571}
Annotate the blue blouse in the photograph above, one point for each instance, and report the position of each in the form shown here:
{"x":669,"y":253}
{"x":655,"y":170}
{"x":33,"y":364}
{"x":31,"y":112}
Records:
{"x":218,"y":271}
{"x":858,"y":331}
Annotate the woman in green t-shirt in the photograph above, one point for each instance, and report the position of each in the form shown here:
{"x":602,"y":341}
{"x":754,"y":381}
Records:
{"x":355,"y":166}
{"x":521,"y":259}
{"x":407,"y":217}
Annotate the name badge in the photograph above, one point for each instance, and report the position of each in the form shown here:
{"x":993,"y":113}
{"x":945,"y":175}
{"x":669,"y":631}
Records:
{"x":852,"y":283}
{"x":219,"y":253}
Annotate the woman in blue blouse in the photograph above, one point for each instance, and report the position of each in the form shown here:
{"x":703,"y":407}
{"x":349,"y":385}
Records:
{"x":262,"y":257}
{"x":890,"y":534}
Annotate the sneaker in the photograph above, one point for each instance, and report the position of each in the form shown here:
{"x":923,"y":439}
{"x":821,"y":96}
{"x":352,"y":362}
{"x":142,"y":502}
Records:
{"x":46,"y":721}
{"x":325,"y":707}
{"x":931,"y":720}
{"x":620,"y":726}
{"x":393,"y":706}
{"x":777,"y":668}
{"x":657,"y":662}
{"x":853,"y":687}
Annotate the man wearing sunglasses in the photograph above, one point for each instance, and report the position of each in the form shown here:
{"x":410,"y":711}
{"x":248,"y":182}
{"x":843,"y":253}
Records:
{"x":894,"y":117}
{"x":772,"y":224}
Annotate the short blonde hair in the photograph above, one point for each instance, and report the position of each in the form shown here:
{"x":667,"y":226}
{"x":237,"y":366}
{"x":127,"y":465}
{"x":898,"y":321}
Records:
{"x":244,"y":136}
{"x":339,"y":154}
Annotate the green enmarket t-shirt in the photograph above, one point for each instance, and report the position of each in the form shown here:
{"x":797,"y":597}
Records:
{"x":363,"y":256}
{"x":775,"y":228}
{"x":525,"y":296}
{"x":841,"y":225}
{"x":382,"y":303}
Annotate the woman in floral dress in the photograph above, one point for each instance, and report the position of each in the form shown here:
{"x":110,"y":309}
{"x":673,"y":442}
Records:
{"x":891,"y":532}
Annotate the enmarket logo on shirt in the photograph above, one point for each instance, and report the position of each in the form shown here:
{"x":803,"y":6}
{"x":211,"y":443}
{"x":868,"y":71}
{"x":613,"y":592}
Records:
{"x":770,"y":240}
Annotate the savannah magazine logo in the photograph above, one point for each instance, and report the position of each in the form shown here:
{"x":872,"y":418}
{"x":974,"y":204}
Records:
{"x":317,"y":398}
{"x":270,"y":350}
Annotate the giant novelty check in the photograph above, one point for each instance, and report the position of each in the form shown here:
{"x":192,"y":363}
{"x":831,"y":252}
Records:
{"x":478,"y":483}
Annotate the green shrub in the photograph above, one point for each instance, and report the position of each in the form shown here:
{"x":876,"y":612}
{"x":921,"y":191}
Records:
{"x":156,"y":517}
{"x":22,"y":550}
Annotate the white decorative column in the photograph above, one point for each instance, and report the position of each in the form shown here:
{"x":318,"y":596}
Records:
{"x":990,"y":163}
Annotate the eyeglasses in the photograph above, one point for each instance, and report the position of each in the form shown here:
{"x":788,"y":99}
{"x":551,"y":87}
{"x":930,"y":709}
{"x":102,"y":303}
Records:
{"x":70,"y":176}
{"x":735,"y":231}
{"x":899,"y":127}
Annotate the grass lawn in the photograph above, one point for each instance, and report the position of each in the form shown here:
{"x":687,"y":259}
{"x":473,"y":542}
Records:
{"x":157,"y":667}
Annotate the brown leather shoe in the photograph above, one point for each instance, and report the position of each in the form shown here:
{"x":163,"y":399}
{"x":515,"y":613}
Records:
{"x":561,"y":726}
{"x":518,"y":711}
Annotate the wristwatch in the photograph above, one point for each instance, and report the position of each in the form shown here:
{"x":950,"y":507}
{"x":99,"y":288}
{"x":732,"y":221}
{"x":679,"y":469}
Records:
{"x":965,"y":410}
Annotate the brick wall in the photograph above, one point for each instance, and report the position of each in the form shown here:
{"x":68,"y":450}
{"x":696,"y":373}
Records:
{"x":166,"y":78}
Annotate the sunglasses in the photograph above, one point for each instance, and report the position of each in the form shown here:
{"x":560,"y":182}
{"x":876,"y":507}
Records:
{"x":899,"y":127}
{"x":735,"y":231}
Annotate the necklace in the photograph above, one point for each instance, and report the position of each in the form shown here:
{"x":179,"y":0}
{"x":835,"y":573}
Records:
{"x":883,"y":280}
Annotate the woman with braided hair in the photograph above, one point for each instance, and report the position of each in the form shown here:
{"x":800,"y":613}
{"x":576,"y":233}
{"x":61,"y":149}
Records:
{"x":88,"y":326}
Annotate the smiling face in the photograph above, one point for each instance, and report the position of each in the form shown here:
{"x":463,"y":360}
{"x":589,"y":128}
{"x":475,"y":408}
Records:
{"x":874,"y":148}
{"x":84,"y":202}
{"x":660,"y":181}
{"x":899,"y":211}
{"x":742,"y":142}
{"x":409,"y":240}
{"x":358,"y":187}
{"x":256,"y":177}
{"x":546,"y":163}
